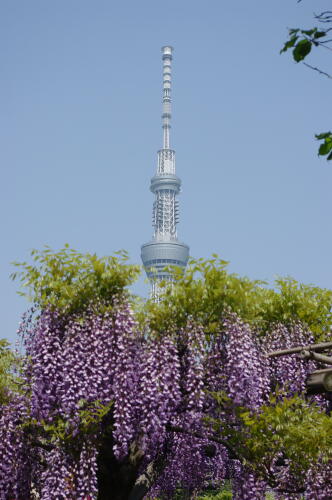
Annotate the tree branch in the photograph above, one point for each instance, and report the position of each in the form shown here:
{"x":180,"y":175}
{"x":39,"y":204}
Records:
{"x":318,"y":70}
{"x":143,"y":483}
{"x":325,"y":46}
{"x":324,"y":17}
{"x":199,"y":435}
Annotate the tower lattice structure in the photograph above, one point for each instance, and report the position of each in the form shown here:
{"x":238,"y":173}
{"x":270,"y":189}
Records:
{"x":164,"y":250}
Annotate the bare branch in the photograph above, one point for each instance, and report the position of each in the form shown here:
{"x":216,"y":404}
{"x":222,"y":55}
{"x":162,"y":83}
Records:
{"x":318,"y":70}
{"x":324,"y":17}
{"x":326,"y":41}
{"x":325,"y":46}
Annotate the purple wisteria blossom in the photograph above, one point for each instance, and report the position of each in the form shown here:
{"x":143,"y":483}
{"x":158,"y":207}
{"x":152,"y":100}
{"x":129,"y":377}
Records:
{"x":106,"y":408}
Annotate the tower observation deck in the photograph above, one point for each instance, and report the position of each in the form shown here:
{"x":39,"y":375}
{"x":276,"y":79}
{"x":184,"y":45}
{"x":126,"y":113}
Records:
{"x":164,"y":249}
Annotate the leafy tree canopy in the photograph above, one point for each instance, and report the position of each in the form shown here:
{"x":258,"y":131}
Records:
{"x":300,"y":43}
{"x":70,"y":280}
{"x":207,"y":291}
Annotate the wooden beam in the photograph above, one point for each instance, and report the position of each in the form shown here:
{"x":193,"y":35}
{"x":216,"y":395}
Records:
{"x":317,"y":357}
{"x":312,"y":347}
{"x":319,"y":381}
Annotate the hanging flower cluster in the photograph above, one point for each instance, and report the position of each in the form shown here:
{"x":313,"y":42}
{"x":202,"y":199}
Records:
{"x":245,"y":484}
{"x":94,"y":378}
{"x":159,"y":389}
{"x":244,"y":365}
{"x":319,"y":482}
{"x":288,"y":372}
{"x":15,"y":456}
{"x":74,"y":369}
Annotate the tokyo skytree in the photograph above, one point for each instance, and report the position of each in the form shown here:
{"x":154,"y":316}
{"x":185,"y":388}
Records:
{"x":164,"y":249}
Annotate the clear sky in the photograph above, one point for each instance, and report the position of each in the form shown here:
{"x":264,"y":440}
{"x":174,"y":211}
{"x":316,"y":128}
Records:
{"x":80,"y":125}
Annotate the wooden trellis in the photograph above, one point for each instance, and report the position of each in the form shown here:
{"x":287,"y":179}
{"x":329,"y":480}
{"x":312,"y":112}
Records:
{"x":319,"y":381}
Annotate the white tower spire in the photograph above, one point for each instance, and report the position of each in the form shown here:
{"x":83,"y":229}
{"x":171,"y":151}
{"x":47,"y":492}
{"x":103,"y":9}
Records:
{"x":167,"y":82}
{"x":165,"y":250}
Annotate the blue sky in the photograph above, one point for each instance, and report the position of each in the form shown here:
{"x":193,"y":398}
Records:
{"x":80,"y":126}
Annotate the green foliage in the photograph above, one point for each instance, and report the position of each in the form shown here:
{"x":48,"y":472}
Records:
{"x":224,"y":493}
{"x":89,"y":415}
{"x":209,"y":493}
{"x":8,"y":380}
{"x":285,"y":428}
{"x":302,"y":41}
{"x":325,"y":149}
{"x":299,"y":430}
{"x":292,"y":301}
{"x":207,"y":291}
{"x":204,"y":292}
{"x":70,"y":280}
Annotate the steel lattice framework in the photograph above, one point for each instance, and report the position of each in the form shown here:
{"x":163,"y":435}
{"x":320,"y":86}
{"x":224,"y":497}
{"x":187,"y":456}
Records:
{"x":164,"y":249}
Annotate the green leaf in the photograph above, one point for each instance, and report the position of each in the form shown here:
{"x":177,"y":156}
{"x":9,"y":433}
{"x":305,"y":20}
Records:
{"x":289,"y":44}
{"x":320,"y":34}
{"x":301,"y":50}
{"x":325,"y":148}
{"x":324,"y":135}
{"x":309,"y":32}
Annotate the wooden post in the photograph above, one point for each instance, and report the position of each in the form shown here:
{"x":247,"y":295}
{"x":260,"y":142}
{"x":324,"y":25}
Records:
{"x":319,"y":381}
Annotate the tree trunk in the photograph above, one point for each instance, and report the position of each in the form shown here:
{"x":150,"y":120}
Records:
{"x":120,"y":480}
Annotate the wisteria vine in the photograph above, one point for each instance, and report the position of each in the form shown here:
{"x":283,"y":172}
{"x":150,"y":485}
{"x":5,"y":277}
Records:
{"x":100,"y":397}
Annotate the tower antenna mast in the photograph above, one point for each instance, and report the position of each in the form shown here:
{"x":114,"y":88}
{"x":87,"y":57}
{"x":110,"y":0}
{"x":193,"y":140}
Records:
{"x":164,"y":249}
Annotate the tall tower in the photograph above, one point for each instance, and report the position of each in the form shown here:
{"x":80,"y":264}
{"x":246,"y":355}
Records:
{"x":164,"y":249}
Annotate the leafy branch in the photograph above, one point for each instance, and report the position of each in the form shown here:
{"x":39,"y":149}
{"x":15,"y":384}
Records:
{"x":285,"y":431}
{"x":325,"y":149}
{"x":301,"y":42}
{"x":70,"y":280}
{"x":207,"y":291}
{"x":46,"y":435}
